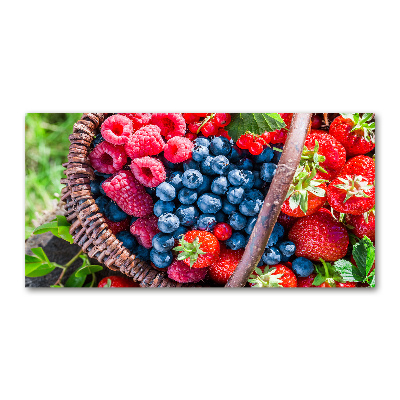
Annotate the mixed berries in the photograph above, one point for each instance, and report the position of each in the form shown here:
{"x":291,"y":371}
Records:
{"x":178,"y":192}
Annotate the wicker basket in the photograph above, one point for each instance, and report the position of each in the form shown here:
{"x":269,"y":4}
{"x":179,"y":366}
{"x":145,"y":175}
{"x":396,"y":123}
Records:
{"x":90,"y":231}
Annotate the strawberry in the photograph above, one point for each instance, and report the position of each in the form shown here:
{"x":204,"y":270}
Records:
{"x":351,"y":194}
{"x":117,"y":281}
{"x":319,"y":236}
{"x":222,"y":268}
{"x":363,"y":224}
{"x":286,"y":220}
{"x":306,"y":194}
{"x":355,"y":133}
{"x":325,"y":153}
{"x":360,"y":165}
{"x":198,"y":249}
{"x":307,"y":281}
{"x":277,"y":276}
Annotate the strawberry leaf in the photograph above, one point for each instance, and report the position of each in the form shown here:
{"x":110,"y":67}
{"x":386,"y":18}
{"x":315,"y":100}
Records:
{"x":348,"y":271}
{"x":364,"y":256}
{"x":318,"y":280}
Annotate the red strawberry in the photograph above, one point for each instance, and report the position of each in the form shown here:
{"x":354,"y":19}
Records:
{"x":362,"y":225}
{"x":355,"y":133}
{"x":117,"y":281}
{"x":319,"y":236}
{"x":222,"y":268}
{"x":351,"y":194}
{"x":360,"y":165}
{"x":276,"y":276}
{"x":331,"y":154}
{"x":307,"y":281}
{"x":198,"y":249}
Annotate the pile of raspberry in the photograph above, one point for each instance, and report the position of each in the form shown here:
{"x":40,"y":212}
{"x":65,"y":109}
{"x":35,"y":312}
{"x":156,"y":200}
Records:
{"x":161,"y":175}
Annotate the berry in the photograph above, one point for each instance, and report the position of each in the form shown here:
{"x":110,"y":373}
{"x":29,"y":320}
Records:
{"x":102,"y":202}
{"x":198,"y":249}
{"x":95,"y":188}
{"x":192,"y":178}
{"x":179,"y":232}
{"x":182,"y":273}
{"x":117,"y":227}
{"x":202,"y":141}
{"x":286,"y":220}
{"x":236,"y":241}
{"x":187,"y":215}
{"x":220,"y":216}
{"x":220,"y":146}
{"x":165,"y":191}
{"x":194,"y":127}
{"x":238,"y":177}
{"x":178,"y":149}
{"x":222,"y":231}
{"x":307,"y":281}
{"x":222,"y":268}
{"x":245,"y":163}
{"x":267,"y":172}
{"x":272,"y":256}
{"x":302,"y":267}
{"x":227,"y":207}
{"x":250,"y":179}
{"x":237,"y":221}
{"x":168,"y":223}
{"x":319,"y":236}
{"x":265,"y":157}
{"x":235,"y":195}
{"x":146,"y":141}
{"x":245,"y":141}
{"x":200,"y":153}
{"x":209,"y":203}
{"x":190,"y":117}
{"x":144,"y":230}
{"x":206,"y":222}
{"x":171,"y":124}
{"x":97,"y":140}
{"x":117,"y":281}
{"x":205,"y":186}
{"x":256,"y":148}
{"x":235,"y":154}
{"x":219,"y":185}
{"x":316,"y":121}
{"x":205,"y":166}
{"x":287,"y":248}
{"x":277,"y":276}
{"x":114,"y":213}
{"x":187,"y":196}
{"x":219,"y":165}
{"x":362,"y":225}
{"x":129,"y":194}
{"x":163,"y":242}
{"x":161,"y":260}
{"x":277,"y":232}
{"x":209,"y":129}
{"x":149,"y":171}
{"x":250,"y":225}
{"x":138,"y":119}
{"x":250,"y":207}
{"x":258,"y":182}
{"x":128,"y":240}
{"x":117,"y":129}
{"x":162,"y":207}
{"x":175,"y":179}
{"x":191,"y":164}
{"x":221,"y":119}
{"x":142,"y":253}
{"x":107,"y":158}
{"x":360,"y":165}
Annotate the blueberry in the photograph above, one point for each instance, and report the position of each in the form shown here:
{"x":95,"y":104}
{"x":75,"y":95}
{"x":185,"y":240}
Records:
{"x":192,"y":178}
{"x":128,"y":240}
{"x":165,"y":191}
{"x":105,"y":176}
{"x":101,"y":188}
{"x":133,"y":220}
{"x":227,"y":207}
{"x":187,"y":196}
{"x":209,"y":203}
{"x":258,"y":182}
{"x":245,"y":163}
{"x":267,"y":171}
{"x":95,"y":188}
{"x":205,"y":186}
{"x":162,"y":207}
{"x":205,"y":166}
{"x":236,"y":241}
{"x":302,"y":267}
{"x":219,"y":165}
{"x":237,"y":177}
{"x":190,"y":164}
{"x":235,"y":195}
{"x":151,"y":191}
{"x":163,"y":242}
{"x":276,"y":234}
{"x":237,"y":221}
{"x":250,"y":208}
{"x":220,"y":146}
{"x":250,"y":179}
{"x":200,"y":153}
{"x":168,"y":164}
{"x":179,"y":232}
{"x":175,"y":179}
{"x":287,"y":248}
{"x":231,"y":167}
{"x":250,"y":225}
{"x":168,"y":223}
{"x":220,"y":216}
{"x":97,"y":140}
{"x":265,"y":156}
{"x":101,"y":202}
{"x":206,"y":222}
{"x":219,"y":185}
{"x":272,"y":256}
{"x":161,"y":260}
{"x":202,"y":141}
{"x":114,"y":213}
{"x":142,"y":253}
{"x":235,"y":154}
{"x":253,"y":194}
{"x":187,"y":215}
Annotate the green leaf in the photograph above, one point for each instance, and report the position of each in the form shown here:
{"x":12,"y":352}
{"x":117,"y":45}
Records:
{"x":48,"y":227}
{"x":38,"y":266}
{"x":75,"y":281}
{"x":353,"y":238}
{"x":364,"y":255}
{"x":318,"y":280}
{"x":55,"y":286}
{"x":58,"y":227}
{"x":40,"y":253}
{"x":347,"y":270}
{"x":372,"y":283}
{"x":87,"y":269}
{"x":31,"y":263}
{"x":41,"y":270}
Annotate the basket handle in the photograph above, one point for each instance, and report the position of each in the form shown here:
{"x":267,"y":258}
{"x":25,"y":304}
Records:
{"x":271,"y":208}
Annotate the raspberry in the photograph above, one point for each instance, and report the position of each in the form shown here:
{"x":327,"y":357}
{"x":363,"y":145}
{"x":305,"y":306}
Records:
{"x":209,"y":129}
{"x":128,"y":193}
{"x":178,"y":149}
{"x":221,"y":119}
{"x":117,"y":129}
{"x":148,"y":171}
{"x":146,"y":141}
{"x":107,"y":158}
{"x":117,"y":227}
{"x":144,"y":229}
{"x":138,"y":119}
{"x":182,"y":273}
{"x":171,"y":124}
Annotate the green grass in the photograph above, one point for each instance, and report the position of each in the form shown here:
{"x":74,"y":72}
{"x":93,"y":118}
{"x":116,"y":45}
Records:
{"x":46,"y":148}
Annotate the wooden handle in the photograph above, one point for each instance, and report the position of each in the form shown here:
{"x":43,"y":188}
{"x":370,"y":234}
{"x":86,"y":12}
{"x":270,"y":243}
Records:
{"x":271,"y":208}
